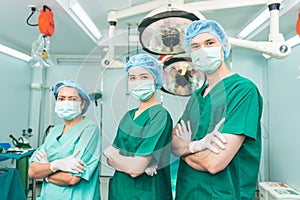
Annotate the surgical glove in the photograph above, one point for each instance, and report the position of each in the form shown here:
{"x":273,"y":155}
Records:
{"x":41,"y":157}
{"x":68,"y":164}
{"x":206,"y":143}
{"x":109,"y":151}
{"x":150,"y":171}
{"x":183,"y":131}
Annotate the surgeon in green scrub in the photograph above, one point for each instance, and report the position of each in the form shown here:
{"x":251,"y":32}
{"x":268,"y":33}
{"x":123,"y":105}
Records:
{"x":69,"y":159}
{"x":140,"y":153}
{"x":221,"y":173}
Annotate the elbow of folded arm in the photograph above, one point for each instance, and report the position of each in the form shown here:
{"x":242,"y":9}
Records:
{"x":74,"y":180}
{"x":214,"y":168}
{"x":134,"y":174}
{"x":135,"y":171}
{"x":31,"y":173}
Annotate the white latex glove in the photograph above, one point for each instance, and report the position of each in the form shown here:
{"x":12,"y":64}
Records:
{"x":184,"y":132}
{"x":150,"y":171}
{"x":68,"y":164}
{"x":206,"y":143}
{"x":109,"y":151}
{"x":41,"y":157}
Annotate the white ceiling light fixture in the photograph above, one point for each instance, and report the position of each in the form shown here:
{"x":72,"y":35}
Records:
{"x":77,"y":13}
{"x":14,"y":53}
{"x":259,"y":20}
{"x":85,"y":19}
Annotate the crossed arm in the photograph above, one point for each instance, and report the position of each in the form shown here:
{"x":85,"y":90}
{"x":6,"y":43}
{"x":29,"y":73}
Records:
{"x":133,"y":166}
{"x":212,"y":162}
{"x":206,"y":160}
{"x":42,"y":170}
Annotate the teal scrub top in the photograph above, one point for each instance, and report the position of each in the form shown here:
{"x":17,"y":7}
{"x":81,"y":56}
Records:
{"x":239,"y":101}
{"x":150,"y":133}
{"x":84,"y":136}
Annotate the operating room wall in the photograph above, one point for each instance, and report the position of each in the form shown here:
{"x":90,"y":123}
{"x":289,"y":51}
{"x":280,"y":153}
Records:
{"x":284,"y":115}
{"x":15,"y":76}
{"x":252,"y":65}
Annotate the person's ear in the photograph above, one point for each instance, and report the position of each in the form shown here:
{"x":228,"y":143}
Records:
{"x":82,"y":105}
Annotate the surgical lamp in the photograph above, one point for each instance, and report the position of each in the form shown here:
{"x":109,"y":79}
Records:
{"x":162,"y":30}
{"x":181,"y":77}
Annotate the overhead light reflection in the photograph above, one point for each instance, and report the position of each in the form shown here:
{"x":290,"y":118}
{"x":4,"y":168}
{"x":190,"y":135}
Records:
{"x":86,"y":20}
{"x":14,"y":53}
{"x":259,"y":20}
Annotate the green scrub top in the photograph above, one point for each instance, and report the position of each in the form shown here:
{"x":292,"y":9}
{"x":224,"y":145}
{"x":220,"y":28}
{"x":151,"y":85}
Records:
{"x":239,"y":101}
{"x":84,"y":136}
{"x":150,"y":133}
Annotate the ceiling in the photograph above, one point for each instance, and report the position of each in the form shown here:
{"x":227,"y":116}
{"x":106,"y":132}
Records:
{"x":70,"y":39}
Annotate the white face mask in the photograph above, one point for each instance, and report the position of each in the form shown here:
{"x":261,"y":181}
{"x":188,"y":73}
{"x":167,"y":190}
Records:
{"x":141,"y":89}
{"x":207,"y":59}
{"x":68,"y":110}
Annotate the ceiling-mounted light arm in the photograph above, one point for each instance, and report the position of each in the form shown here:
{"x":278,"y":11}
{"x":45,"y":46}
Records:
{"x":275,"y":49}
{"x":276,"y":46}
{"x":274,"y":35}
{"x":108,"y":61}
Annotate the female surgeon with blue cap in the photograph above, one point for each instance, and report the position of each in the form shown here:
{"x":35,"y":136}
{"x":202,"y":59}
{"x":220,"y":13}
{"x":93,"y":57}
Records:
{"x":228,"y":171}
{"x":69,"y":159}
{"x":140,"y":153}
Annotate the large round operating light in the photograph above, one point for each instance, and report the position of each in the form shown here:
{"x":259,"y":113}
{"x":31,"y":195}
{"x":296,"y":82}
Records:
{"x":181,"y":77}
{"x":163,"y":33}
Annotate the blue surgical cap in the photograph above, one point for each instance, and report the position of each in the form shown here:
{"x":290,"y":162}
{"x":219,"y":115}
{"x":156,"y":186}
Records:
{"x":149,"y":63}
{"x":71,"y":83}
{"x":206,"y":26}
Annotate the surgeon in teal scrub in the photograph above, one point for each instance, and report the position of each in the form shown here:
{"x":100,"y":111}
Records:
{"x":69,"y":159}
{"x":140,"y":153}
{"x":221,"y":173}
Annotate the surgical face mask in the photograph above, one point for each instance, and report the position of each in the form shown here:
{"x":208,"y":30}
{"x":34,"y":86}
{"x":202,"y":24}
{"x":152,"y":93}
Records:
{"x":207,"y":59}
{"x":68,"y":110}
{"x":141,"y":89}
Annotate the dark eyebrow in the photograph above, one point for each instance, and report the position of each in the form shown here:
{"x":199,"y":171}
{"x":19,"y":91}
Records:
{"x":210,"y":39}
{"x":207,"y":40}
